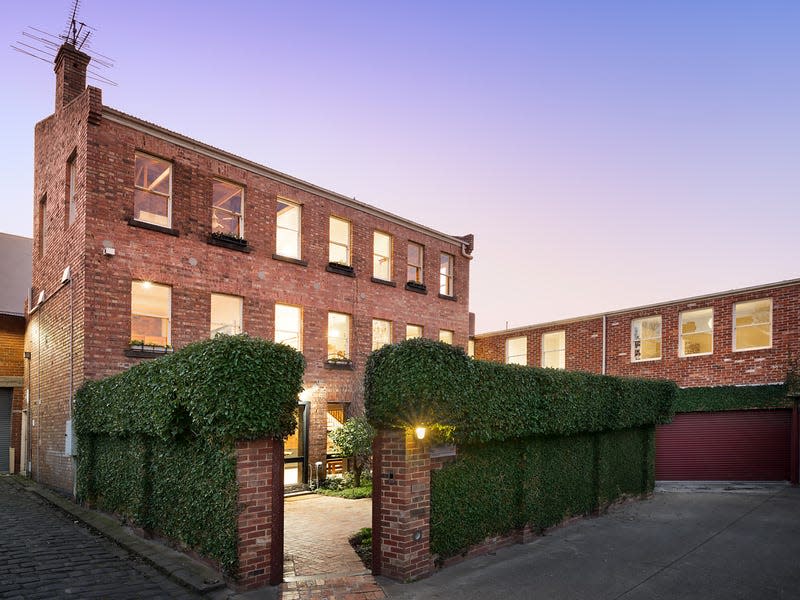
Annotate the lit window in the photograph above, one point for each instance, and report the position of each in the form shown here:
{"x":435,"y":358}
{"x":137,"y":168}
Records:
{"x":150,"y":313}
{"x":339,"y":246}
{"x":42,"y":224}
{"x":227,"y":215}
{"x":382,"y":256}
{"x":72,"y":183}
{"x":446,"y":336}
{"x":226,"y":314}
{"x":553,"y":350}
{"x":471,"y":348}
{"x":338,"y":336}
{"x":517,"y":351}
{"x":381,"y":333}
{"x":752,"y":324}
{"x":413,"y":331}
{"x":446,"y":274}
{"x":335,"y":420}
{"x":416,"y":257}
{"x":289,"y":326}
{"x":287,"y":232}
{"x":697,"y":332}
{"x":152,"y":201}
{"x":646,"y":339}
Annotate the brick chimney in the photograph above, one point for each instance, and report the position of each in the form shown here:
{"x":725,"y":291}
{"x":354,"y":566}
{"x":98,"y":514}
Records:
{"x":70,"y":68}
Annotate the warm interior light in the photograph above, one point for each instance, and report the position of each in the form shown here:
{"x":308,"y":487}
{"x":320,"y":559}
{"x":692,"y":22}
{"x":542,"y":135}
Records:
{"x":147,"y":284}
{"x":420,"y":431}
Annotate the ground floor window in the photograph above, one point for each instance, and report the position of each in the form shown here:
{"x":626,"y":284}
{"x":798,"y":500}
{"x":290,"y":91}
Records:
{"x":294,"y":451}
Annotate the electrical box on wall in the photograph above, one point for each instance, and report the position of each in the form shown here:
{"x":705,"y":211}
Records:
{"x":69,"y":439}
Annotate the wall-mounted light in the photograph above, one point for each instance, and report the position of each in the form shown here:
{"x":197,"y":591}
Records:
{"x":420,"y":432}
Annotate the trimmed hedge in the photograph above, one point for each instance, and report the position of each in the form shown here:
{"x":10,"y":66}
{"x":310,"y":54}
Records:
{"x":731,"y":397}
{"x":423,"y":381}
{"x":156,"y":443}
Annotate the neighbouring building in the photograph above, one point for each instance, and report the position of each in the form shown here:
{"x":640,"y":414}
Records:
{"x":146,"y":240}
{"x":743,"y":337}
{"x":15,"y":283}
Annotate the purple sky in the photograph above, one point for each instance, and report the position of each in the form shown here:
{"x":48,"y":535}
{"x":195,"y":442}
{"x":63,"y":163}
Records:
{"x":604,"y":154}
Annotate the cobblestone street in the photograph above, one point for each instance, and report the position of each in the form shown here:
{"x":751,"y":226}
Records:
{"x":45,"y":554}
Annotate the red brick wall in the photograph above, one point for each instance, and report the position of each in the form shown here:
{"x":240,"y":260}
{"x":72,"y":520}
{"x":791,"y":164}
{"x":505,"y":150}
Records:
{"x":12,"y":365}
{"x":722,"y":367}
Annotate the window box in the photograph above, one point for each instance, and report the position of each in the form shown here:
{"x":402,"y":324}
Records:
{"x":383,"y":281}
{"x":152,"y":227}
{"x":289,"y":259}
{"x":446,"y":297}
{"x":138,"y":349}
{"x":416,"y":287}
{"x":341,"y":269}
{"x":339,"y":363}
{"x":228,"y":241}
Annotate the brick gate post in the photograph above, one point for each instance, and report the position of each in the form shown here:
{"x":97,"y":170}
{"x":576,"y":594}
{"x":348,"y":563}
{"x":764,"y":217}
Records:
{"x":259,"y":523}
{"x":401,"y":506}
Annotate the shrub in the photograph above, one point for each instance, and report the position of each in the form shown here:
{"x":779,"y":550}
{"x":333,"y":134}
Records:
{"x":731,"y":397}
{"x":354,"y":439}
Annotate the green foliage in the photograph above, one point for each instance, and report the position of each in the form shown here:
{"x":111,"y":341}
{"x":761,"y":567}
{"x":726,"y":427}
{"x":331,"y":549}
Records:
{"x":354,"y":439}
{"x":731,"y":397}
{"x":350,"y":493}
{"x":422,"y":381}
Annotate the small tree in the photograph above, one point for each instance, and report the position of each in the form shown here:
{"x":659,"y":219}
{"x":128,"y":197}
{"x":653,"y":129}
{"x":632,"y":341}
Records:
{"x":354,"y":439}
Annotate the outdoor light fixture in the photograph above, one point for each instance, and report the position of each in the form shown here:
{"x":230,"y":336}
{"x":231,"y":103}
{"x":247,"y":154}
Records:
{"x":420,"y":431}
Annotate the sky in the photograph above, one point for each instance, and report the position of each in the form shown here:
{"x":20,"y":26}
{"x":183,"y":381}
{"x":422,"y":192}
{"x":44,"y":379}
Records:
{"x":604,"y":154}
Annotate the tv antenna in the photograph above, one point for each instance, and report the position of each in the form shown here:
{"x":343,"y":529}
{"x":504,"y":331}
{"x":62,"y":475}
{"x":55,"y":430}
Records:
{"x":44,"y":46}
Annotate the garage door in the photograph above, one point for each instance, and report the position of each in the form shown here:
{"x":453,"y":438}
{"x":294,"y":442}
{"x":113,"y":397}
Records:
{"x":5,"y":427}
{"x":745,"y":445}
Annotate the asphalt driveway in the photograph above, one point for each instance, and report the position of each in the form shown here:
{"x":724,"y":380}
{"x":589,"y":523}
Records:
{"x":707,"y":543}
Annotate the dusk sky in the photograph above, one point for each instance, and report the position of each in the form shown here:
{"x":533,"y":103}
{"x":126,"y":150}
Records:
{"x":604,"y":154}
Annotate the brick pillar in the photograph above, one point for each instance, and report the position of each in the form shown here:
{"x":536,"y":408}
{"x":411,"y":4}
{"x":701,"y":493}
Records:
{"x":259,"y":524}
{"x":401,"y":506}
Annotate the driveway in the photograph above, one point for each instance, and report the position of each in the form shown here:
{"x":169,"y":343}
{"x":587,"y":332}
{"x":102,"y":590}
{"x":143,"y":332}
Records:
{"x":683,"y":543}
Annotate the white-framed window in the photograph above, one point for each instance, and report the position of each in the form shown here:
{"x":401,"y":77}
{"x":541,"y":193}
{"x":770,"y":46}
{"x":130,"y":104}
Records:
{"x":646,"y":339}
{"x":414,"y":331}
{"x":151,"y":310}
{"x":382,"y":256}
{"x":416,"y":262}
{"x":289,"y":325}
{"x":338,"y":336}
{"x":752,"y":325}
{"x":471,"y":348}
{"x":517,"y":350}
{"x":227,"y":213}
{"x":152,"y":200}
{"x":381,"y":333}
{"x":446,"y":262}
{"x":554,"y":349}
{"x":446,"y":336}
{"x":287,"y":229}
{"x":226,"y":314}
{"x":697,"y":332}
{"x":72,"y":188}
{"x":339,"y":243}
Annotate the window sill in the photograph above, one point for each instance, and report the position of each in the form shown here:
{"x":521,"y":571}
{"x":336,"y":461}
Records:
{"x":289,"y":259}
{"x":419,"y":288}
{"x":150,"y":226}
{"x":383,"y":281}
{"x":339,"y":365}
{"x":147,"y":351}
{"x":345,"y":270}
{"x":232,"y":243}
{"x":446,"y":297}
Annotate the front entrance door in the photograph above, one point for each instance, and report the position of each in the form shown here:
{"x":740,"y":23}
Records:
{"x":295,"y":451}
{"x":5,"y":427}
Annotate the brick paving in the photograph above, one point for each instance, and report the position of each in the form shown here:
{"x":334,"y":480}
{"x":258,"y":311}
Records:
{"x":45,"y":554}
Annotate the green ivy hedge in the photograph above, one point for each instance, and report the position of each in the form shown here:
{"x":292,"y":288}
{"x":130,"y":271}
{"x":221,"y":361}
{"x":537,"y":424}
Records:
{"x":423,"y":381}
{"x":156,"y":443}
{"x":731,"y":397}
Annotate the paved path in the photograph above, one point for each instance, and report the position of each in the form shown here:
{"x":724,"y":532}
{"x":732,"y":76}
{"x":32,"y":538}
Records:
{"x":44,"y":554}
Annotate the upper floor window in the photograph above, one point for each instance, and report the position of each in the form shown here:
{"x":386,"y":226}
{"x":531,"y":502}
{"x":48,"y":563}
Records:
{"x":381,"y":333}
{"x":42,"y":225}
{"x":152,"y":200}
{"x":338,"y":336}
{"x":554,"y":350}
{"x":446,"y":274}
{"x":151,"y":309}
{"x":752,"y":322}
{"x":227,"y":216}
{"x":471,"y":348}
{"x":72,"y":184}
{"x":646,"y":339}
{"x":226,"y":314}
{"x":287,"y":230}
{"x":413,"y":331}
{"x":446,"y":336}
{"x":339,"y":244}
{"x":289,"y":326}
{"x":416,"y":260}
{"x":517,"y":351}
{"x":697,"y":332}
{"x":382,"y":256}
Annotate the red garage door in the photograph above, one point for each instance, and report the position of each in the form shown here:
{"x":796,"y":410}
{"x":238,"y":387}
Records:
{"x":741,"y":445}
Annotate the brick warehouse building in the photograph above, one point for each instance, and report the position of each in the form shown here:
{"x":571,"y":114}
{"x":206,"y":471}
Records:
{"x":145,"y":240}
{"x":744,"y":337}
{"x":15,"y":275}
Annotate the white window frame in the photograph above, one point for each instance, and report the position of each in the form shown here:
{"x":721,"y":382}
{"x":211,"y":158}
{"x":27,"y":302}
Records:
{"x":735,"y":327}
{"x":236,"y":326}
{"x":169,"y":196}
{"x":420,"y":268}
{"x":347,"y":246}
{"x":681,"y":353}
{"x":421,"y":331}
{"x":376,"y":256}
{"x":225,"y":210}
{"x":347,"y":340}
{"x":298,"y":232}
{"x":298,"y":333}
{"x":444,"y":333}
{"x":446,"y":277}
{"x":155,"y":316}
{"x":391,"y":333}
{"x":562,"y":351}
{"x":516,"y":359}
{"x":642,"y":339}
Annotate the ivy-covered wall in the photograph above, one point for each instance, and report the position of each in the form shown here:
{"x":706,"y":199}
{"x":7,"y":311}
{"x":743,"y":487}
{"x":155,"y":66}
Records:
{"x":156,"y":443}
{"x":731,"y":397}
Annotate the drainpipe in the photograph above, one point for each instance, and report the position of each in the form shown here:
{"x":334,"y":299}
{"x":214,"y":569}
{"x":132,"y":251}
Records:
{"x":603,"y":366}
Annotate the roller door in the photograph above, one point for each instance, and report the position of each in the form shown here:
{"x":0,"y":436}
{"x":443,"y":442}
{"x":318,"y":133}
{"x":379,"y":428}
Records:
{"x":745,"y":445}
